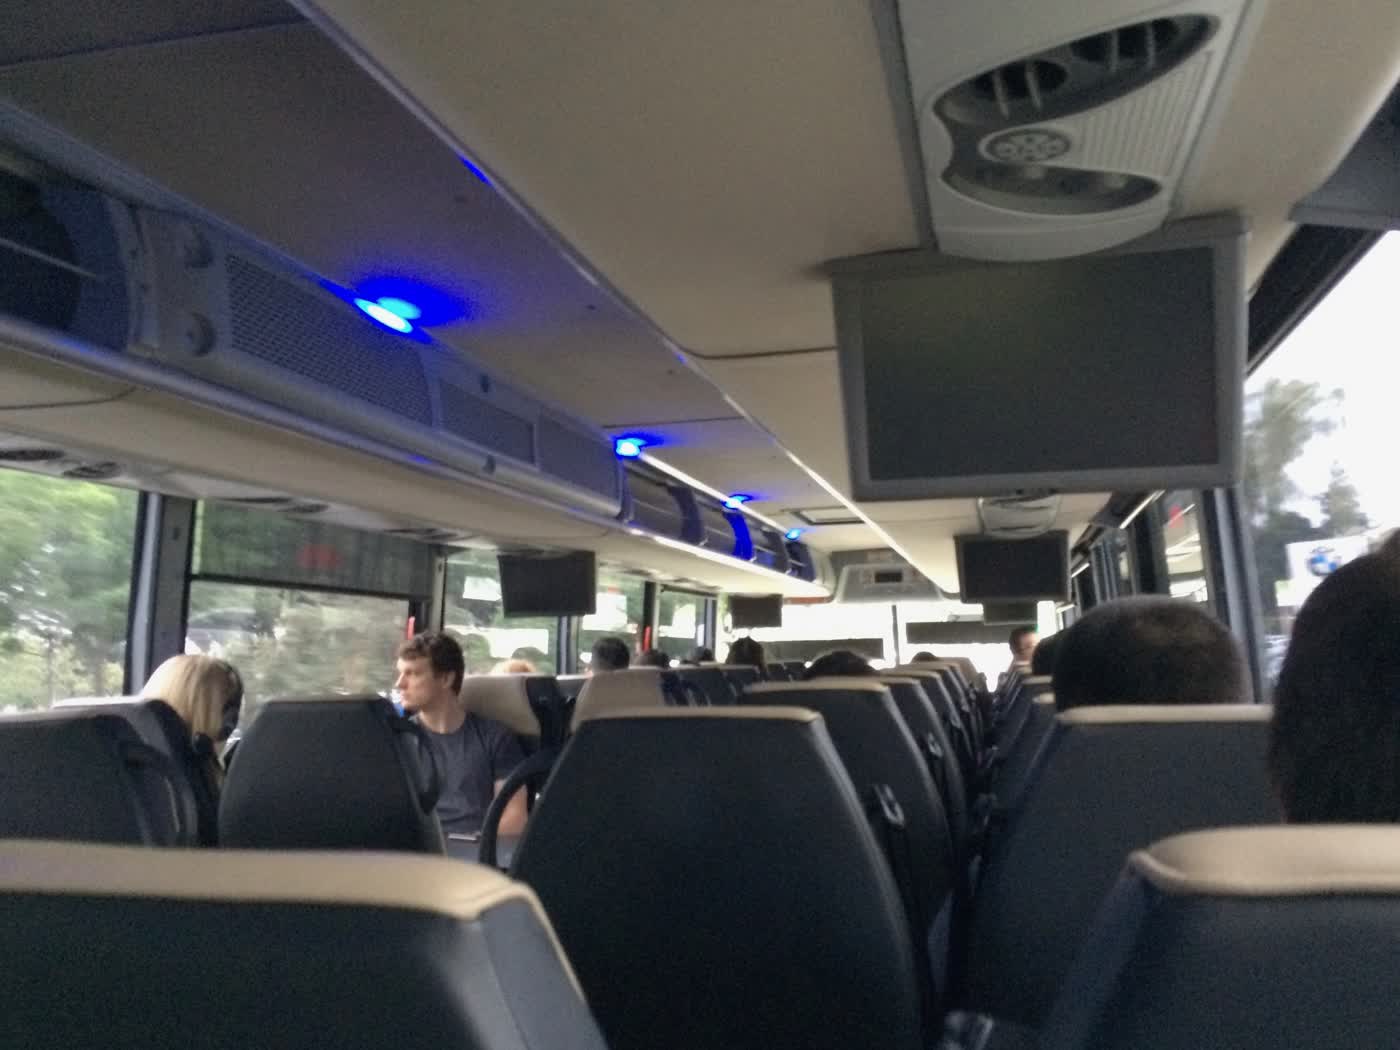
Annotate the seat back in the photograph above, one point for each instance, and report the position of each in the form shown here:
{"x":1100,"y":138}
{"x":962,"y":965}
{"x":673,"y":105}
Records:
{"x":1107,"y":781}
{"x":1243,"y":939}
{"x":932,"y":739}
{"x":709,"y":682}
{"x":529,"y":705}
{"x":777,"y":672}
{"x":112,"y":946}
{"x":87,"y":775}
{"x":959,"y":729}
{"x":740,"y":676}
{"x":877,"y":748}
{"x":332,"y":773}
{"x":621,"y":690}
{"x":1017,"y":762}
{"x":795,"y":668}
{"x":721,"y":889}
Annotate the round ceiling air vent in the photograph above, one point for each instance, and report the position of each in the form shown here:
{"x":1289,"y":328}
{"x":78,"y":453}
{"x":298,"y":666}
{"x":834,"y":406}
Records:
{"x":31,"y":455}
{"x":1077,"y":75}
{"x":93,"y":471}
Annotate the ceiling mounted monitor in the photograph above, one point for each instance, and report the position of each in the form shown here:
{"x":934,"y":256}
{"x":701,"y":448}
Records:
{"x":1118,"y":370}
{"x":998,"y":571}
{"x":549,"y":584}
{"x":756,"y":610}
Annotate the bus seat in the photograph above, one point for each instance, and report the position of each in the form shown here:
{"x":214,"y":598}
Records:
{"x":1107,"y":781}
{"x":1242,"y":939}
{"x":616,"y":690}
{"x":879,"y":751}
{"x":740,"y":676}
{"x":530,"y":705}
{"x":710,"y":683}
{"x":1013,"y":773}
{"x":721,"y":888}
{"x":960,"y":730}
{"x":929,"y":733}
{"x":110,"y":946}
{"x":81,"y":775}
{"x":777,"y":672}
{"x":332,"y":773}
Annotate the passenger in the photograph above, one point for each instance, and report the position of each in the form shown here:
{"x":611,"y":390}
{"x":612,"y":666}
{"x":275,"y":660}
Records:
{"x":610,"y":654}
{"x":1023,"y":641}
{"x":475,"y":754}
{"x":839,"y":663}
{"x":1334,"y":748}
{"x":697,"y":656}
{"x":207,"y":693}
{"x":1148,"y":650}
{"x":747,"y":652}
{"x":655,"y":658}
{"x":514,"y":666}
{"x":1043,"y":659}
{"x":923,"y":656}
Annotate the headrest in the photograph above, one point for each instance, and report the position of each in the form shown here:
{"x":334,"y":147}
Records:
{"x":504,"y":698}
{"x":1044,"y":699}
{"x":853,"y":684}
{"x":1037,"y":679}
{"x":1134,"y":714}
{"x":364,"y":942}
{"x":611,"y":690}
{"x":1283,"y":861}
{"x":332,"y":773}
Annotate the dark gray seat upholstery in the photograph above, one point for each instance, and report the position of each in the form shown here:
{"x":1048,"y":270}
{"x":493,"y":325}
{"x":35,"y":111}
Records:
{"x":740,"y":676}
{"x":1109,"y":780}
{"x":929,"y":733}
{"x":709,"y":684}
{"x":87,"y":775}
{"x":1013,"y":775}
{"x":721,"y":888}
{"x":336,"y":773}
{"x":877,"y":748}
{"x":1243,"y":939}
{"x":108,"y":946}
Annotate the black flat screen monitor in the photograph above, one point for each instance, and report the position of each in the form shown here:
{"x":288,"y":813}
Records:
{"x":1121,"y":370}
{"x":553,"y":585}
{"x":995,"y":570}
{"x":1010,"y":614}
{"x":756,"y":610}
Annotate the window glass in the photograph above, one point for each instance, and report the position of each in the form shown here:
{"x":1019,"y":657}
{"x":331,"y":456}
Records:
{"x":680,"y":622}
{"x":290,"y":642}
{"x":488,"y":637}
{"x":1181,"y":534}
{"x":619,"y":614}
{"x":1320,"y":427}
{"x":66,"y":551}
{"x":810,"y":630}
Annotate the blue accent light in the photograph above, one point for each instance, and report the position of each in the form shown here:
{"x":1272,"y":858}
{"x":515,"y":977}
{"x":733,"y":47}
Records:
{"x":385,"y":316}
{"x":476,"y":171}
{"x":793,"y":534}
{"x":629,"y":447}
{"x":408,"y":311}
{"x":737,"y":500}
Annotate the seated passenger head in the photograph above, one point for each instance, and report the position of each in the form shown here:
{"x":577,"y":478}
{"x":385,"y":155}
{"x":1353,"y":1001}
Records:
{"x":839,"y":663}
{"x":1043,"y":659}
{"x":1022,"y":643}
{"x":430,"y":671}
{"x":746,"y":652}
{"x":514,"y":666}
{"x":1334,"y":747}
{"x":1148,"y":650}
{"x":205,"y":692}
{"x":923,"y":656}
{"x":610,"y":654}
{"x":655,"y":658}
{"x":699,"y":655}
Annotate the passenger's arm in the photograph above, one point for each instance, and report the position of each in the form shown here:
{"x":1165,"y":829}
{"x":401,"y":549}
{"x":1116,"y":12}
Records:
{"x":513,"y":816}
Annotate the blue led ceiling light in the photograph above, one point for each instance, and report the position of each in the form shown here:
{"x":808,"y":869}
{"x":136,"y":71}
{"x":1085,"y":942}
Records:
{"x":386,"y":316}
{"x":737,"y":500}
{"x":793,"y":534}
{"x":408,"y":311}
{"x":629,"y":447}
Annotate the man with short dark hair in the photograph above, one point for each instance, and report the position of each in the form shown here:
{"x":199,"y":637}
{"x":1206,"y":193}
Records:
{"x":475,"y":754}
{"x":610,"y":654}
{"x":839,"y":663}
{"x":1149,"y":650}
{"x":1334,"y":746}
{"x":1022,"y":643}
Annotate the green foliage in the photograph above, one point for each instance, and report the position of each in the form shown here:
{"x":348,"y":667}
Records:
{"x":1280,"y":420}
{"x":66,"y":550}
{"x":1341,"y":506}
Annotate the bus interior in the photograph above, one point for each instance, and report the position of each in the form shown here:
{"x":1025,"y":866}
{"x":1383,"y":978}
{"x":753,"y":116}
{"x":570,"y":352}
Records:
{"x":902,"y":327}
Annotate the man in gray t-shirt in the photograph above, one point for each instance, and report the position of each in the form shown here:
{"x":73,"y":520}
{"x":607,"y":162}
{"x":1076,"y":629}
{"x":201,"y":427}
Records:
{"x":476,"y":754}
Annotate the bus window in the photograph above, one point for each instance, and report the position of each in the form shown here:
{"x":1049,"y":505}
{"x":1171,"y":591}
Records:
{"x":1320,"y":424}
{"x":619,"y":613}
{"x":1181,"y":533}
{"x":474,"y":616}
{"x":680,"y":625}
{"x":296,"y":642}
{"x":66,"y":551}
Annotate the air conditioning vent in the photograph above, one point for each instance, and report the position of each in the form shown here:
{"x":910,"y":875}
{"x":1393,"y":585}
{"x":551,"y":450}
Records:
{"x":1080,"y":75}
{"x":1018,"y":517}
{"x":103,"y":471}
{"x":30,"y":455}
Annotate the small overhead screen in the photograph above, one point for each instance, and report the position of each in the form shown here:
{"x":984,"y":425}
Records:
{"x":1118,"y":370}
{"x":994,"y":570}
{"x":549,"y":585}
{"x":762,"y":610}
{"x":1010,"y":614}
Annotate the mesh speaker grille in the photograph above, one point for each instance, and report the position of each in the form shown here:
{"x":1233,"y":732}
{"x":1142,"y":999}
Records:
{"x":277,"y":322}
{"x":581,"y":458}
{"x":470,"y":417}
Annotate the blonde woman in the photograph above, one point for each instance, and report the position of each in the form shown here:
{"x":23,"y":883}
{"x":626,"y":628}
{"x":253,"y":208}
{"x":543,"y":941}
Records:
{"x":205,"y":692}
{"x":514,"y":666}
